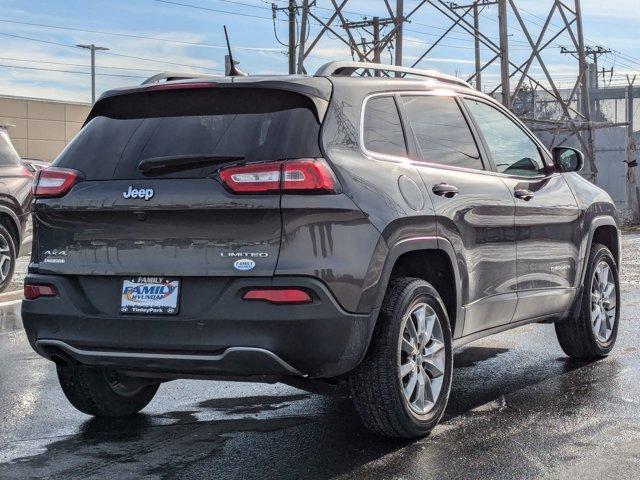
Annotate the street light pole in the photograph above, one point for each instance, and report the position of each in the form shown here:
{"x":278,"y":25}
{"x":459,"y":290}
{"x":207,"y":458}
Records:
{"x":93,"y":49}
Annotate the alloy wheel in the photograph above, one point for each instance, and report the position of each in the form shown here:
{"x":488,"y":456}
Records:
{"x":422,"y":358}
{"x":5,"y":259}
{"x":603,"y":302}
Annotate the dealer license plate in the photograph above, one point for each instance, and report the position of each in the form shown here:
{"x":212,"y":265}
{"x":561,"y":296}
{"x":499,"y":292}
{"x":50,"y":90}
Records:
{"x":150,"y":295}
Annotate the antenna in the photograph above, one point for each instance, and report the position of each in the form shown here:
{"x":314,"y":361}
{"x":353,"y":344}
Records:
{"x":231,"y":71}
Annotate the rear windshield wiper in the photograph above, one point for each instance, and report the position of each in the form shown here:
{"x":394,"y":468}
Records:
{"x":183,"y":162}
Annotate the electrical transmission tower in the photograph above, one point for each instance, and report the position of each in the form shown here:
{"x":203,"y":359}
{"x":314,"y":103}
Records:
{"x":573,"y":115}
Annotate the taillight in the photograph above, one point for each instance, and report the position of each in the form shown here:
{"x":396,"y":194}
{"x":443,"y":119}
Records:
{"x":55,"y":182}
{"x":254,"y":178}
{"x":37,"y":290}
{"x":307,"y":175}
{"x":278,"y":295}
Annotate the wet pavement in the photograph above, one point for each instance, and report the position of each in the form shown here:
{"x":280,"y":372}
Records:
{"x":519,"y":408}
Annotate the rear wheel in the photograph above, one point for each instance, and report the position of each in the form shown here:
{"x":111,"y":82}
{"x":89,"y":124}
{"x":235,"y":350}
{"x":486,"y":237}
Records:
{"x":592,"y":333}
{"x":104,"y":393}
{"x":402,"y":386}
{"x":7,"y":258}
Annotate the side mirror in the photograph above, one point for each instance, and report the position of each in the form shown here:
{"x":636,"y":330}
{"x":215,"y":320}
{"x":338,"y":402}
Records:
{"x":568,"y":159}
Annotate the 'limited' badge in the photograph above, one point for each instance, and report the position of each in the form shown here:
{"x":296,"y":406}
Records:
{"x":244,"y":264}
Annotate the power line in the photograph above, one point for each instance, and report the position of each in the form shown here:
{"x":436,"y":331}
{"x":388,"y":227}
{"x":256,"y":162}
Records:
{"x":21,"y":67}
{"x":76,"y":64}
{"x":246,"y":4}
{"x":629,"y":57}
{"x":130,"y":35}
{"x":209,"y":9}
{"x":109,"y":53}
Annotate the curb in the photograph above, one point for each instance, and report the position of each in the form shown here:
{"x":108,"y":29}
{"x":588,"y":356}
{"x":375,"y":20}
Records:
{"x":10,"y":318}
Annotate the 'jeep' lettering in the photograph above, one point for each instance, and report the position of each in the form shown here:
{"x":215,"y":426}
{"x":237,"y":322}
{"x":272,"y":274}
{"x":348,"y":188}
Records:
{"x":145,"y":193}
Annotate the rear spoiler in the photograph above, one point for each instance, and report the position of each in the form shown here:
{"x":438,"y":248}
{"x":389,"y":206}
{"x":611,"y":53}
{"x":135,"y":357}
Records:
{"x":160,"y":99}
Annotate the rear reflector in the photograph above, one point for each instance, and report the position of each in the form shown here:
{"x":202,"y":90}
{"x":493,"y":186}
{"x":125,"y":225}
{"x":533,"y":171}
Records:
{"x":307,"y":175}
{"x":278,"y":296}
{"x":55,"y":182}
{"x":33,"y":291}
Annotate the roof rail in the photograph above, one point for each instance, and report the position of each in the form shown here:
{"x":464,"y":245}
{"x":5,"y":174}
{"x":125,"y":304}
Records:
{"x":169,"y":76}
{"x":346,"y":69}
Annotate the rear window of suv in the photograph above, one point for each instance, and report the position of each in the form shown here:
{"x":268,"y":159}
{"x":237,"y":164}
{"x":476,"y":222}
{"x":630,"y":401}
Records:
{"x":256,"y":124}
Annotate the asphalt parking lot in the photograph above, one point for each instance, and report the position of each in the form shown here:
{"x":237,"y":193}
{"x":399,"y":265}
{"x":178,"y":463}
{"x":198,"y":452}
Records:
{"x":519,"y":409}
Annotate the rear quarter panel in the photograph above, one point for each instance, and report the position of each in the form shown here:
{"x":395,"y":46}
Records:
{"x":15,"y":195}
{"x":372,"y":184}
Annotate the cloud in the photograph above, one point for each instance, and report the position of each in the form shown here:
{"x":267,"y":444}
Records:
{"x":76,"y":86}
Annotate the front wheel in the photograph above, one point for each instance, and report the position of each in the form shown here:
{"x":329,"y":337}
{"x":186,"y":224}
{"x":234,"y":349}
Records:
{"x":402,"y":386}
{"x":104,"y":393}
{"x":592,"y":333}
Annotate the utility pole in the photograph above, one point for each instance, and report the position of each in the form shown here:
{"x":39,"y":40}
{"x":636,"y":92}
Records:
{"x":398,"y":44}
{"x":303,"y":34}
{"x":504,"y":53}
{"x":592,"y":74}
{"x":93,"y":49}
{"x":376,"y":42}
{"x":586,"y":92}
{"x":375,"y":24}
{"x":293,"y":9}
{"x":595,"y":52}
{"x":476,"y":33}
{"x":476,"y":45}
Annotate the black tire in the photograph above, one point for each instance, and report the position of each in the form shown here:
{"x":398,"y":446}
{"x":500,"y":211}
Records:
{"x":7,"y":265}
{"x":102,"y":393}
{"x":376,"y":384}
{"x":575,"y":334}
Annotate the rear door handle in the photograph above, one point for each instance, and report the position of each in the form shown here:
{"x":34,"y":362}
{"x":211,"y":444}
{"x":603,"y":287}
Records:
{"x":523,"y":194}
{"x":445,"y":190}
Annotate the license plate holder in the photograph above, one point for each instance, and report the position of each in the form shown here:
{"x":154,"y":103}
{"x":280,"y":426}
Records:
{"x":150,"y":295}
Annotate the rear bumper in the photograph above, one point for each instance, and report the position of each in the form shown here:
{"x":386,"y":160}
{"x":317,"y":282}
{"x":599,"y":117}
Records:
{"x":222,"y":335}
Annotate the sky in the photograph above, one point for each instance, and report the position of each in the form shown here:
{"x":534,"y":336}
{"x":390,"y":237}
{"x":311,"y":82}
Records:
{"x":38,"y":57}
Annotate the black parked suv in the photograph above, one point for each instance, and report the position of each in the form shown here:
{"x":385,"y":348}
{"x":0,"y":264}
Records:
{"x":332,"y":228}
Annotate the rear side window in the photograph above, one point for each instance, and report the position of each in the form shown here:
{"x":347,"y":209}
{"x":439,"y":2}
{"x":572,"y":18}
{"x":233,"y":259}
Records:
{"x":382,"y":128}
{"x":441,"y":131}
{"x":255,"y":125}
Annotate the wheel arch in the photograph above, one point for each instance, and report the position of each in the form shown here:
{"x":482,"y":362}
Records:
{"x":602,"y":230}
{"x":412,"y":256}
{"x":11,"y":222}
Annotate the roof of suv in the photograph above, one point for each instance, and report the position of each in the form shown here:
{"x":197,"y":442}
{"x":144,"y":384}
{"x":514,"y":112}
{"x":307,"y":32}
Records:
{"x":319,"y":85}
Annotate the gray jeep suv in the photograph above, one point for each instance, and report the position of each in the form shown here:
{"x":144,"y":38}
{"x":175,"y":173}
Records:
{"x":334,"y":228}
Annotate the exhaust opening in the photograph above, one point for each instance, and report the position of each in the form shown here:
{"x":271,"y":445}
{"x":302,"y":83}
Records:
{"x":58,"y":356}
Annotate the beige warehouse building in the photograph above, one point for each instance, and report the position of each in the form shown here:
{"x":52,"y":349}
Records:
{"x":41,"y":128}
